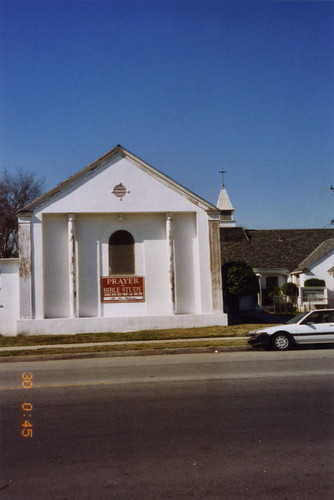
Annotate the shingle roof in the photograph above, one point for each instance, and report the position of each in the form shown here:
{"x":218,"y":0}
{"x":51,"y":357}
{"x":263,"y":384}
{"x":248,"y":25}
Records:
{"x":271,"y":248}
{"x":321,"y":251}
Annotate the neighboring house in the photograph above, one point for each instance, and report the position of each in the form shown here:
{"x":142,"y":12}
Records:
{"x":319,"y":264}
{"x":119,"y":246}
{"x":276,"y":256}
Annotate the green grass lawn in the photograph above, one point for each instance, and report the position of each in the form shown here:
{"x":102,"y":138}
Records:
{"x":145,"y":335}
{"x":168,"y":345}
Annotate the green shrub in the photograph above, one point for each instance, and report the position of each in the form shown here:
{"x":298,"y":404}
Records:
{"x":314,"y":282}
{"x":289,"y":289}
{"x":239,"y":280}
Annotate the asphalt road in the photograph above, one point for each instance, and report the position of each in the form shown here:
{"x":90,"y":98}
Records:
{"x":250,"y":425}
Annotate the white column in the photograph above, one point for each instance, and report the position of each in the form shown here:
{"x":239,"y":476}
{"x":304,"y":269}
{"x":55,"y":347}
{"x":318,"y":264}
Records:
{"x":38,"y":271}
{"x":259,"y":294}
{"x":72,"y":266}
{"x":99,"y":274}
{"x":215,"y":264}
{"x":170,"y":257}
{"x":25,"y":266}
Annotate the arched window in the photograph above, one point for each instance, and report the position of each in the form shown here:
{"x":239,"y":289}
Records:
{"x":121,"y":253}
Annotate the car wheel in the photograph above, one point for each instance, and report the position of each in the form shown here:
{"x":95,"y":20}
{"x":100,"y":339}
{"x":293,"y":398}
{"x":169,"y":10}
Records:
{"x":281,"y":341}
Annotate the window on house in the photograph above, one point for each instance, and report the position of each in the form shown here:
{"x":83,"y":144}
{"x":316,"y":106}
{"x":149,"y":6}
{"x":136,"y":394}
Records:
{"x":121,"y":253}
{"x":313,"y":294}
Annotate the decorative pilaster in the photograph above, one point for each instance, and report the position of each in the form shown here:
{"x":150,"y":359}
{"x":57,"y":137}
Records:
{"x":72,"y":266}
{"x":170,"y":256}
{"x":99,"y":272}
{"x":25,"y":285}
{"x":215,"y":265}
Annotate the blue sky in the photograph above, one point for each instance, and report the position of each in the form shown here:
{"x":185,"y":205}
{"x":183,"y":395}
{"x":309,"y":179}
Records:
{"x":191,"y":87}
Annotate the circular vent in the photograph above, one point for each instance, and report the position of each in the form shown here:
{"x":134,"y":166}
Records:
{"x":119,"y":190}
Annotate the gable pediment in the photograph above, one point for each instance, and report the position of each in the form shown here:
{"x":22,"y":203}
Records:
{"x":118,"y":182}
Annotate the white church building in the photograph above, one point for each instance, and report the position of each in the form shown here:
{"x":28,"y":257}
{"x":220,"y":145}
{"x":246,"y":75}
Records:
{"x":119,"y":246}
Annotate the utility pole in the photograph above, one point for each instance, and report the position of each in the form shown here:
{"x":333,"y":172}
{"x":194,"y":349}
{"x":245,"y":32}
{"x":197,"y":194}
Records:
{"x":332,"y":221}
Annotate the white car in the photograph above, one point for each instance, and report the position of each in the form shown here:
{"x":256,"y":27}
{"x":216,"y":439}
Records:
{"x":312,"y":327}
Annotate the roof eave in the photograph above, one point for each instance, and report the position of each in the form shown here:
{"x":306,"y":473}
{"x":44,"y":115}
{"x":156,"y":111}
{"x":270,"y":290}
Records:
{"x":62,"y":185}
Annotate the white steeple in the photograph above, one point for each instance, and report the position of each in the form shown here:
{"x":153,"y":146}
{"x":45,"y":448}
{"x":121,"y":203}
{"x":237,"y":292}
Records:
{"x":225,"y":206}
{"x":224,"y":202}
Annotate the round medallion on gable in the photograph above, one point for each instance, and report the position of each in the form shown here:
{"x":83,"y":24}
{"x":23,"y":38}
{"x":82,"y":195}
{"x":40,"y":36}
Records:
{"x":120,"y":191}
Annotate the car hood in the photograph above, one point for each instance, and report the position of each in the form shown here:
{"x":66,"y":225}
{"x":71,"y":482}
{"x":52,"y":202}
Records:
{"x":269,"y":330}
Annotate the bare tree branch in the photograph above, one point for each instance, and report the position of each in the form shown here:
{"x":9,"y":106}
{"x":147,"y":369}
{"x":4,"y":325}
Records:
{"x":16,"y":190}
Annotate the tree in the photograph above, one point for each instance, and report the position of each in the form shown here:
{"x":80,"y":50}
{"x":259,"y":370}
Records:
{"x":16,"y":190}
{"x":240,"y":280}
{"x":289,"y":289}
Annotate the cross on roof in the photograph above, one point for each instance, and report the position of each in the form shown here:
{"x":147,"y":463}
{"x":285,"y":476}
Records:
{"x":222,"y":172}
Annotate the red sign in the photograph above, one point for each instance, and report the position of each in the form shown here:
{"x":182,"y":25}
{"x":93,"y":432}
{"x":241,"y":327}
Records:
{"x":122,"y":289}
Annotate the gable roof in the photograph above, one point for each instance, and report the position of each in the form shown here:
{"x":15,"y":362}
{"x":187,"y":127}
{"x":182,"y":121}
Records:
{"x":321,"y":251}
{"x":98,"y":164}
{"x":271,"y":248}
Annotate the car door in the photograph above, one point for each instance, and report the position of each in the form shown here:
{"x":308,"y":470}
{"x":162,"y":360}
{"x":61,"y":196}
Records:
{"x":318,"y":327}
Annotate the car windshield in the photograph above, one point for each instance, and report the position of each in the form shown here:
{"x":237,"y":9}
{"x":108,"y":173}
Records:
{"x":298,"y":318}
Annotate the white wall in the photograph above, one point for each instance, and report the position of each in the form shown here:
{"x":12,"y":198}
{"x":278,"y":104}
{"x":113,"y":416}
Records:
{"x":88,"y":229}
{"x":93,"y":194}
{"x":186,"y":273}
{"x":56,"y":269}
{"x":93,"y":232}
{"x":9,"y":296}
{"x":149,"y":232}
{"x":151,"y":261}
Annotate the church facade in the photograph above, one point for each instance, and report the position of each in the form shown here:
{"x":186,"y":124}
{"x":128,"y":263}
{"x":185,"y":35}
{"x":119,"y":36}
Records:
{"x":118,"y":246}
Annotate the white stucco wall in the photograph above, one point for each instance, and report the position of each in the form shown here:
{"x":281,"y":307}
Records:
{"x":149,"y":233}
{"x":9,"y":296}
{"x":186,"y":265}
{"x":92,"y":234}
{"x":145,"y":193}
{"x":55,"y":264}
